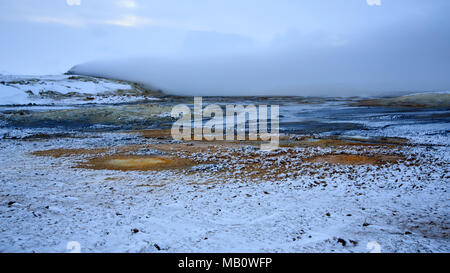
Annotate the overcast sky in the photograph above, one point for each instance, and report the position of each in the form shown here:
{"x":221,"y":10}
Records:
{"x":332,"y":39}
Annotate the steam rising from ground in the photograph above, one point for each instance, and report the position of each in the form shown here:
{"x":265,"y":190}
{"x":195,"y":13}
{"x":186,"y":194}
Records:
{"x":386,"y":60}
{"x":324,"y":74}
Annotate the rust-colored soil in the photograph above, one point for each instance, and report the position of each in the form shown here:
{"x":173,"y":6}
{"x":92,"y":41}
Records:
{"x":156,"y":133}
{"x":136,"y":163}
{"x":166,"y":134}
{"x":252,"y":165}
{"x":69,"y":152}
{"x":348,"y":159}
{"x":332,"y":142}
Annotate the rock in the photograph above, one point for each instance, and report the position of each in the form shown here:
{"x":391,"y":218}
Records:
{"x":342,"y":241}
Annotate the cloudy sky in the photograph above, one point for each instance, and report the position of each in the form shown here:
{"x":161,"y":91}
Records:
{"x":51,"y":36}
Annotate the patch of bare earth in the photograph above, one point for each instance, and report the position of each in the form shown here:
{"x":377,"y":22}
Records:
{"x":136,"y":163}
{"x":61,"y":152}
{"x":350,"y":159}
{"x":234,"y":158}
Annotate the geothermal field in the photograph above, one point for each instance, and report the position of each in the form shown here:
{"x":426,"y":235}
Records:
{"x":92,"y":160}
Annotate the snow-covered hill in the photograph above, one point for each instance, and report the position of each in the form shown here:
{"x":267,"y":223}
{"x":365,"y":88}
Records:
{"x":67,"y":89}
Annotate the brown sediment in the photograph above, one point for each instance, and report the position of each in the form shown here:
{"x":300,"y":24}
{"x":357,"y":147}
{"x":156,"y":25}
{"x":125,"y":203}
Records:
{"x":167,"y":134}
{"x":349,"y":159}
{"x":325,"y":142}
{"x":350,"y":141}
{"x":215,"y":146}
{"x":254,"y":166}
{"x":69,"y":152}
{"x":284,"y":141}
{"x":62,"y":152}
{"x":136,"y":163}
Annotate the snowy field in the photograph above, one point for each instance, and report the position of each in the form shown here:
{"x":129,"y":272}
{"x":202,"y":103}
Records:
{"x":47,"y":202}
{"x":378,"y":183}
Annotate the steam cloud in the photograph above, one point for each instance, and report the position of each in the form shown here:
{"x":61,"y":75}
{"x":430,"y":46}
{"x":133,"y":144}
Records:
{"x":401,"y":58}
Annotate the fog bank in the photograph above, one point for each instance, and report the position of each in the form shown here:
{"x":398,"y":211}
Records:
{"x":410,"y":54}
{"x":326,"y":72}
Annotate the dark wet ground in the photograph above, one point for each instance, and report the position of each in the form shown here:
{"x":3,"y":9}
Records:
{"x":298,"y":115}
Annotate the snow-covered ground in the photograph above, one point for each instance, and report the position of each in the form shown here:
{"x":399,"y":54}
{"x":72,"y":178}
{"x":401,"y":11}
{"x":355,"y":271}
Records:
{"x":47,"y":202}
{"x":235,"y":198}
{"x":65,"y":89}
